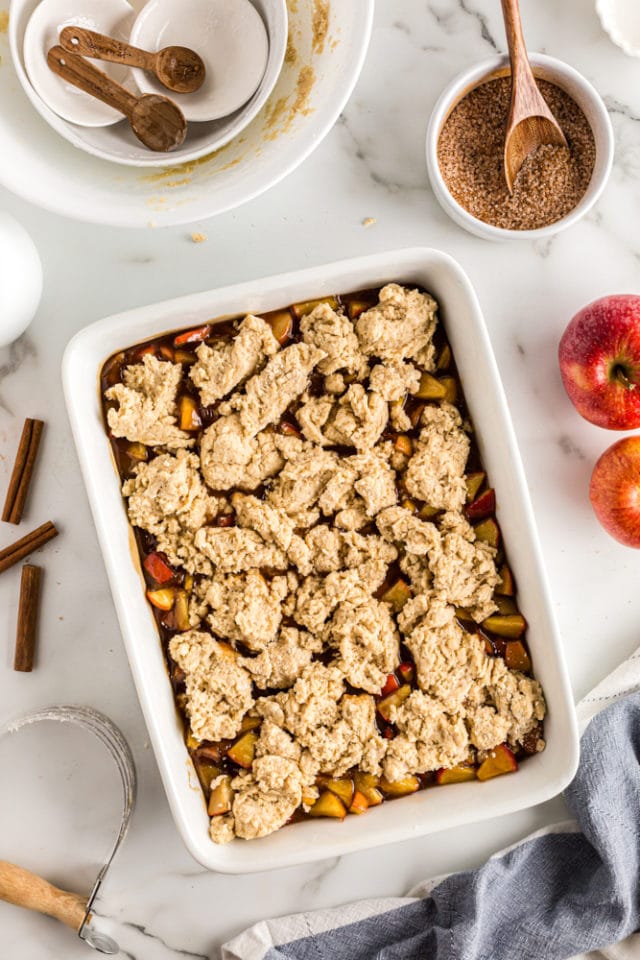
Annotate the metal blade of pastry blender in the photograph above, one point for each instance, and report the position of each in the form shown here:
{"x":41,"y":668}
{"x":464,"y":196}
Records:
{"x":111,"y":738}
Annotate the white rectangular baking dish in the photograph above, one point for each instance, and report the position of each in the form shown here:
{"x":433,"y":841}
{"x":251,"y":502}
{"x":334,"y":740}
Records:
{"x":541,"y":776}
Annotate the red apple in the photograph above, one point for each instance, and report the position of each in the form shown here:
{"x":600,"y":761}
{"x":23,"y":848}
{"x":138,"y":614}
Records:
{"x":600,"y":362}
{"x":615,"y":491}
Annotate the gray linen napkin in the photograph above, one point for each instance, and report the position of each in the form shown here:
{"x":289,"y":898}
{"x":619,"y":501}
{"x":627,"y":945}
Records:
{"x":569,"y":888}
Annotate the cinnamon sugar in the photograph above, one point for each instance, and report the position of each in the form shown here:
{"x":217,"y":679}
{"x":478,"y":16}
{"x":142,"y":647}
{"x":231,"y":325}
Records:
{"x":552,"y":180}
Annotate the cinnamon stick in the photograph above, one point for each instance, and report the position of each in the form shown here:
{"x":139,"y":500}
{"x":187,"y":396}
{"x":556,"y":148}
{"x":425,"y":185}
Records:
{"x":28,"y":609}
{"x":26,"y":545}
{"x":22,"y":471}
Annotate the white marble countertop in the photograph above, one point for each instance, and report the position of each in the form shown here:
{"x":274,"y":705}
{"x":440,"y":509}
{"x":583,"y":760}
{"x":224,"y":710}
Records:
{"x":371,"y":165}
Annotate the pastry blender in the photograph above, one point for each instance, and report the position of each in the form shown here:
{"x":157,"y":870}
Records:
{"x":26,"y":889}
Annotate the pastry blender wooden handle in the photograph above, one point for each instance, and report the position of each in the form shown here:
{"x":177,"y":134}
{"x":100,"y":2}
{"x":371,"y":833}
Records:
{"x":25,"y":889}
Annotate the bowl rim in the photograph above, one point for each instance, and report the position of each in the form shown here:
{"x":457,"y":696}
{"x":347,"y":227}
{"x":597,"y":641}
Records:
{"x":543,"y":776}
{"x":471,"y":77}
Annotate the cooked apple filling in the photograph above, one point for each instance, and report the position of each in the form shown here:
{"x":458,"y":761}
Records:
{"x":319,"y":542}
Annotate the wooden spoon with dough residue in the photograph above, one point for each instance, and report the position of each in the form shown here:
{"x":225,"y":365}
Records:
{"x":177,"y":68}
{"x":156,"y":121}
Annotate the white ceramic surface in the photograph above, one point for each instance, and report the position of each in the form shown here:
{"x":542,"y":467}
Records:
{"x":573,"y":83}
{"x":312,"y":88}
{"x":232,"y":40}
{"x":112,"y":17}
{"x":117,"y":144}
{"x":621,"y":20}
{"x":541,"y":777}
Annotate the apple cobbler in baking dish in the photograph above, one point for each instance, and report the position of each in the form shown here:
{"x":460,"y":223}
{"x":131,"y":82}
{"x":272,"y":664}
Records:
{"x":320,"y":547}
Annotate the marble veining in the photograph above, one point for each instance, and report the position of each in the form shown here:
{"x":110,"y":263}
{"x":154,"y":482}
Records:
{"x":16,"y":355}
{"x":570,"y":448}
{"x":172,"y":951}
{"x":321,"y":873}
{"x":615,"y":107}
{"x":159,"y":904}
{"x":483,"y":22}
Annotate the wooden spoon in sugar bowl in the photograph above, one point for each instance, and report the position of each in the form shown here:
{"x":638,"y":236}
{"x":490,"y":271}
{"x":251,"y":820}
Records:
{"x":530,"y":123}
{"x":177,"y":68}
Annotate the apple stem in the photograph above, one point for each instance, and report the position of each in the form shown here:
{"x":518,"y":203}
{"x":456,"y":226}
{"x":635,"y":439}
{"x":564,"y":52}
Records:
{"x":620,"y":374}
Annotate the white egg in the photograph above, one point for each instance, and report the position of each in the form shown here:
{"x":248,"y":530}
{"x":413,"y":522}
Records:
{"x":20,"y":279}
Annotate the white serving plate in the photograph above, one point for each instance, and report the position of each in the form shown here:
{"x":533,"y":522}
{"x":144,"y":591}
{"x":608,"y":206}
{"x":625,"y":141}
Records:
{"x":541,"y":776}
{"x":39,"y":165}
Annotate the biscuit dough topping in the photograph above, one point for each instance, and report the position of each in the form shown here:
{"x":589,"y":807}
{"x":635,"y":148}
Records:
{"x":321,"y":553}
{"x":225,"y":364}
{"x":146,"y":405}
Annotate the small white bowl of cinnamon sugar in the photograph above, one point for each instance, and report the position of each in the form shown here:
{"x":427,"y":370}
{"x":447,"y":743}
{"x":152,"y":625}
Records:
{"x":556,"y":186}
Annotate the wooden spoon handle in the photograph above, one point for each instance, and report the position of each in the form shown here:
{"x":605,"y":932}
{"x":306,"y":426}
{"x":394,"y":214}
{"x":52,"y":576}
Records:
{"x":82,"y":74}
{"x":515,"y":40}
{"x":88,"y":43}
{"x":25,"y":889}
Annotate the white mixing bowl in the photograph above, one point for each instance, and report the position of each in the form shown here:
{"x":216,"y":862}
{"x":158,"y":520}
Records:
{"x":117,"y":143}
{"x":316,"y":80}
